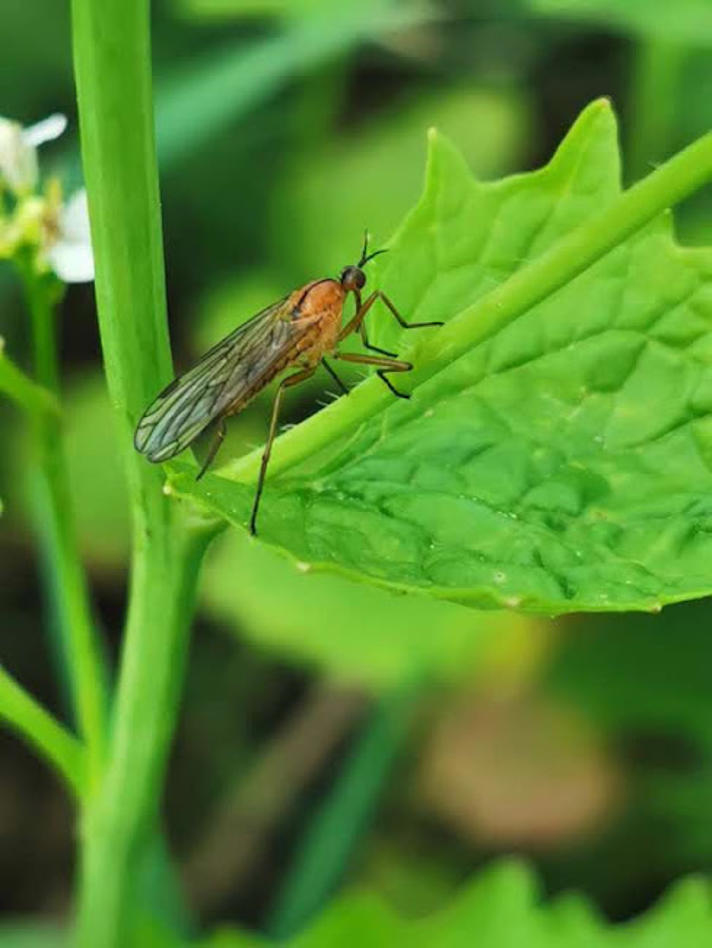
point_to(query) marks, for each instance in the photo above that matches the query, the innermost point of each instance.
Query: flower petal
(45, 131)
(18, 158)
(72, 262)
(74, 220)
(71, 257)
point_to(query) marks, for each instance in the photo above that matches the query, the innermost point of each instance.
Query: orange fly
(299, 330)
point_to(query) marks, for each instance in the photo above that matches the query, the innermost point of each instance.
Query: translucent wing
(232, 370)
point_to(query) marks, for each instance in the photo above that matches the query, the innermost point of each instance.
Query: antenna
(365, 257)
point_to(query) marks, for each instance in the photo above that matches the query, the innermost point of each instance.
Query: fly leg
(356, 321)
(334, 376)
(285, 383)
(214, 447)
(386, 365)
(368, 345)
(379, 294)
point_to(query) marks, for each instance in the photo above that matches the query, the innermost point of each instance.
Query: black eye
(352, 278)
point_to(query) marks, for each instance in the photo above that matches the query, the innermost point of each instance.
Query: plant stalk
(53, 509)
(112, 62)
(22, 390)
(119, 823)
(38, 727)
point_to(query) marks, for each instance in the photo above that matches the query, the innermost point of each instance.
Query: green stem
(119, 824)
(37, 726)
(676, 179)
(113, 73)
(69, 587)
(22, 390)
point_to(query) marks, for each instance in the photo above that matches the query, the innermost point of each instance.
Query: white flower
(70, 254)
(58, 230)
(18, 150)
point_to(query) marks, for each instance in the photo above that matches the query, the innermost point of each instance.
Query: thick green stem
(37, 726)
(677, 178)
(119, 824)
(113, 74)
(54, 510)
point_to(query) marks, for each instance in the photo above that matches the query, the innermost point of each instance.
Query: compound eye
(352, 278)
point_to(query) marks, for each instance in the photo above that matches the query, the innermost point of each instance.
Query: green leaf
(502, 908)
(555, 454)
(682, 918)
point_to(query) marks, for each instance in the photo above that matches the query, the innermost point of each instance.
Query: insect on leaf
(564, 463)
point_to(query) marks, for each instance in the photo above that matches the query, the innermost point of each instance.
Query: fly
(298, 331)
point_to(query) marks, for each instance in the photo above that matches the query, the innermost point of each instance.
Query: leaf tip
(603, 103)
(444, 161)
(597, 119)
(590, 148)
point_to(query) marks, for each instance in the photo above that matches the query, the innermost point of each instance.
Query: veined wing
(225, 374)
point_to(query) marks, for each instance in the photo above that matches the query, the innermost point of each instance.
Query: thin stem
(113, 72)
(38, 727)
(69, 587)
(670, 183)
(22, 390)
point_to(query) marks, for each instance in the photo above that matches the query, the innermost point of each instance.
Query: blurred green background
(332, 733)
